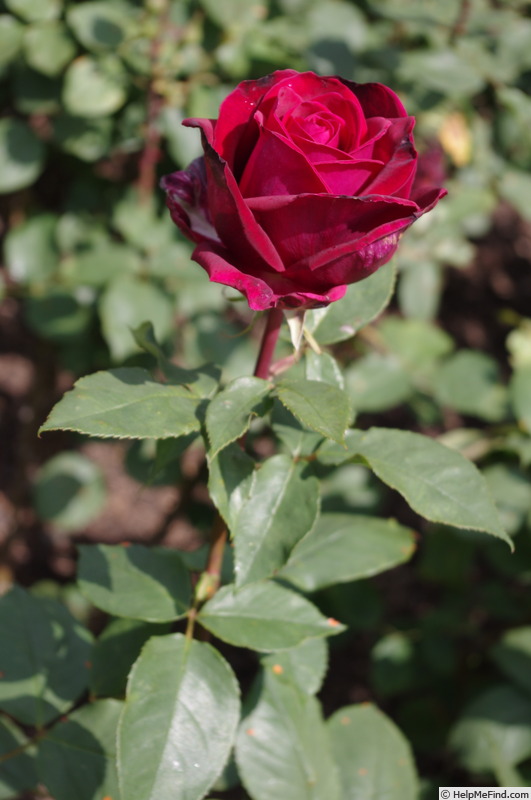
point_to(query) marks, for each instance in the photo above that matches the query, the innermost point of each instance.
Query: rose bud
(305, 186)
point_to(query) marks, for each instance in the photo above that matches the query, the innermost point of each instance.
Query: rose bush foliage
(305, 186)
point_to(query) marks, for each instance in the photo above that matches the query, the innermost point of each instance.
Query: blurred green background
(93, 94)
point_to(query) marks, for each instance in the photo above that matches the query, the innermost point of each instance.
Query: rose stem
(269, 341)
(219, 533)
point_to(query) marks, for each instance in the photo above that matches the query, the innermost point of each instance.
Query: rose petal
(236, 112)
(208, 126)
(262, 292)
(397, 151)
(347, 108)
(300, 299)
(377, 100)
(317, 126)
(220, 270)
(310, 231)
(284, 100)
(427, 199)
(235, 224)
(347, 177)
(187, 200)
(377, 127)
(350, 266)
(276, 167)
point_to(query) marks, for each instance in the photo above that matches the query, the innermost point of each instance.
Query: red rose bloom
(305, 186)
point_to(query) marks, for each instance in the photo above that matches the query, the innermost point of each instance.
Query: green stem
(219, 536)
(22, 748)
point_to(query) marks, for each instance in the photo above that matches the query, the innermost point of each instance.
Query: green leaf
(21, 155)
(182, 143)
(48, 47)
(207, 336)
(165, 465)
(512, 654)
(319, 406)
(514, 187)
(419, 289)
(511, 491)
(100, 25)
(203, 381)
(35, 9)
(347, 547)
(416, 10)
(18, 763)
(283, 750)
(11, 33)
(392, 664)
(417, 344)
(35, 93)
(446, 70)
(69, 491)
(181, 714)
(157, 462)
(229, 414)
(281, 506)
(373, 756)
(323, 367)
(264, 616)
(127, 302)
(80, 230)
(94, 87)
(231, 475)
(43, 660)
(294, 436)
(140, 225)
(30, 250)
(303, 666)
(77, 757)
(89, 140)
(125, 403)
(139, 582)
(438, 483)
(363, 302)
(469, 381)
(520, 389)
(352, 489)
(57, 315)
(104, 262)
(333, 21)
(518, 344)
(493, 731)
(378, 382)
(231, 10)
(116, 650)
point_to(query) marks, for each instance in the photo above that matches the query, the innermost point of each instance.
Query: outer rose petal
(337, 240)
(235, 224)
(265, 291)
(311, 231)
(259, 295)
(351, 266)
(187, 201)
